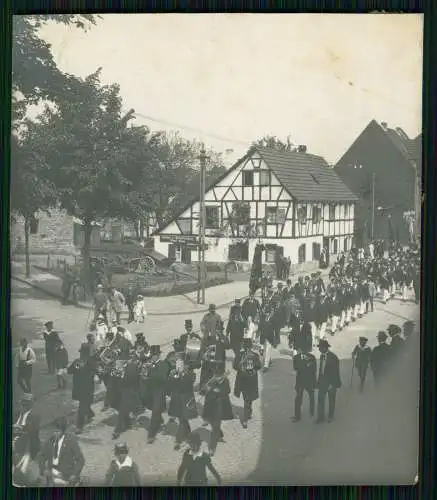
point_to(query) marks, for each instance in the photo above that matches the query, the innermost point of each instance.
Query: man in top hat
(188, 334)
(27, 425)
(235, 327)
(328, 381)
(140, 342)
(361, 359)
(51, 339)
(380, 358)
(210, 321)
(156, 390)
(61, 460)
(247, 365)
(213, 350)
(305, 365)
(397, 342)
(82, 370)
(100, 303)
(123, 471)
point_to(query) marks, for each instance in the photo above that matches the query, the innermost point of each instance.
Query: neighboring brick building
(60, 233)
(391, 156)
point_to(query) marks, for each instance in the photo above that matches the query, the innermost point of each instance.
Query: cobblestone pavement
(372, 440)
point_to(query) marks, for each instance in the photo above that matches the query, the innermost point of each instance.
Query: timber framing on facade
(282, 199)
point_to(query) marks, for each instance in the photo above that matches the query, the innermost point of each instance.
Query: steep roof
(306, 177)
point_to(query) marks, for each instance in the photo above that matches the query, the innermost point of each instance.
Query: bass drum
(193, 352)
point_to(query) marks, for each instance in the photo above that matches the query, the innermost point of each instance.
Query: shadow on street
(373, 439)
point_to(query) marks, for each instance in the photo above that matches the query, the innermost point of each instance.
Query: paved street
(372, 440)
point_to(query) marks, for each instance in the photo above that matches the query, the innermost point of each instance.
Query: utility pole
(372, 229)
(202, 220)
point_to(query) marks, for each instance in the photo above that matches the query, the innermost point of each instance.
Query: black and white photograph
(215, 249)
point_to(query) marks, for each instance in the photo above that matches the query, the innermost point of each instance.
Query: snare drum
(193, 351)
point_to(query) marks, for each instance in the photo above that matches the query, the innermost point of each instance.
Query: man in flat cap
(210, 321)
(328, 381)
(361, 359)
(380, 358)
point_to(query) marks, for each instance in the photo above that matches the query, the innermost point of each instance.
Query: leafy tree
(31, 191)
(90, 152)
(177, 174)
(272, 142)
(35, 75)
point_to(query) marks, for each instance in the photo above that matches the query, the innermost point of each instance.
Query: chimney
(384, 125)
(302, 148)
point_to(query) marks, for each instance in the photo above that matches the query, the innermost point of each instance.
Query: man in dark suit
(305, 365)
(51, 339)
(26, 427)
(328, 381)
(380, 358)
(235, 327)
(397, 342)
(83, 370)
(61, 459)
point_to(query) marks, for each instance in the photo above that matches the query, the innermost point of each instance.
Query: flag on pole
(256, 272)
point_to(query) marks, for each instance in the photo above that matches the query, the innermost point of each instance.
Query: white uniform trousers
(356, 310)
(267, 353)
(404, 292)
(322, 331)
(362, 307)
(348, 315)
(334, 323)
(385, 295)
(342, 319)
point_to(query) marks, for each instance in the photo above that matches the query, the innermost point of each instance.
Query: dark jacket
(157, 386)
(331, 373)
(51, 340)
(305, 365)
(30, 434)
(361, 357)
(61, 358)
(236, 325)
(71, 459)
(251, 308)
(396, 345)
(380, 358)
(124, 476)
(182, 401)
(247, 365)
(266, 327)
(83, 381)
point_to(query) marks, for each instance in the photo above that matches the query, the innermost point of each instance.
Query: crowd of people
(139, 378)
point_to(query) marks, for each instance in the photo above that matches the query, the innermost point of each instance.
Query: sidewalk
(220, 295)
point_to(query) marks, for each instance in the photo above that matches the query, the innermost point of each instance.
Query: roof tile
(306, 177)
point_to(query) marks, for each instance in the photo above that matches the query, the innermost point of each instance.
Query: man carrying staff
(247, 365)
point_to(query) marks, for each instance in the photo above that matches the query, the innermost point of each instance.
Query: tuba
(213, 383)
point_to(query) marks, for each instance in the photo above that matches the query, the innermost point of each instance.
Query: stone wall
(54, 233)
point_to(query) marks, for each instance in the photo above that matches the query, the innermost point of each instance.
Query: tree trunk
(87, 229)
(26, 244)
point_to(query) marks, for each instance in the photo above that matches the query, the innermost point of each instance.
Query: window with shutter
(212, 217)
(264, 178)
(247, 178)
(272, 215)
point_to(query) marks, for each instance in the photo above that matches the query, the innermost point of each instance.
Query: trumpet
(213, 383)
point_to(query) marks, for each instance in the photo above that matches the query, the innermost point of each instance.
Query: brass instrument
(17, 433)
(146, 369)
(213, 383)
(119, 370)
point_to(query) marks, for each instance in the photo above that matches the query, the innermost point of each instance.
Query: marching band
(137, 378)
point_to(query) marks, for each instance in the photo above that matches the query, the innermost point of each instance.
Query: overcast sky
(318, 78)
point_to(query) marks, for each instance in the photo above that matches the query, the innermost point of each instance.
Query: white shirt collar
(127, 462)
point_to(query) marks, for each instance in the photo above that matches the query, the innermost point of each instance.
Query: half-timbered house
(288, 200)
